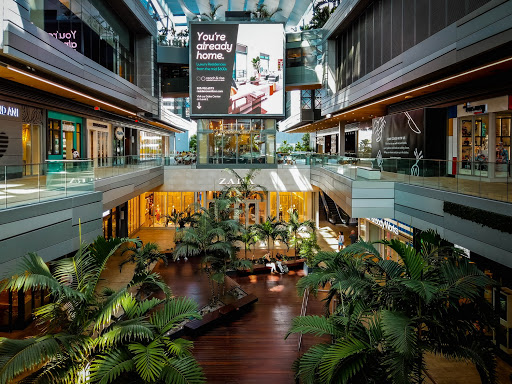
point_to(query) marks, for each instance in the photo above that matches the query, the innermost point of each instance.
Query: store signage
(98, 125)
(221, 83)
(400, 135)
(384, 224)
(68, 126)
(226, 181)
(475, 109)
(9, 111)
(68, 38)
(119, 133)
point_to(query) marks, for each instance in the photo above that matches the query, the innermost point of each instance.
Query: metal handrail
(303, 310)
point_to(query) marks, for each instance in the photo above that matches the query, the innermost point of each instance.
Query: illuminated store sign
(9, 111)
(226, 80)
(385, 224)
(226, 181)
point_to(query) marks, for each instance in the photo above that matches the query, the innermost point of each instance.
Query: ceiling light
(68, 89)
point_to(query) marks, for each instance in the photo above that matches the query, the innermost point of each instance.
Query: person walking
(353, 237)
(341, 240)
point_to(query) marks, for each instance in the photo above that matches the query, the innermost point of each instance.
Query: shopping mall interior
(300, 191)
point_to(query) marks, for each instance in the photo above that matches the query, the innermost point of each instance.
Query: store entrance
(474, 148)
(252, 212)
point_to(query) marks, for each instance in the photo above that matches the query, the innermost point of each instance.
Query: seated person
(282, 267)
(270, 263)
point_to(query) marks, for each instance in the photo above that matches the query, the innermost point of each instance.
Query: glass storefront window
(236, 141)
(474, 145)
(151, 144)
(503, 130)
(31, 147)
(91, 28)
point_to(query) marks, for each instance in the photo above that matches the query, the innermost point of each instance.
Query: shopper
(353, 237)
(341, 241)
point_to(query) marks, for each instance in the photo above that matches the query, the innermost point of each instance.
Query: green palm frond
(108, 367)
(174, 311)
(179, 347)
(109, 308)
(18, 356)
(342, 360)
(315, 325)
(399, 332)
(424, 289)
(413, 261)
(307, 366)
(184, 370)
(149, 359)
(123, 331)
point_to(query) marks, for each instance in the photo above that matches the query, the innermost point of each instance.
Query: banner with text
(399, 135)
(235, 69)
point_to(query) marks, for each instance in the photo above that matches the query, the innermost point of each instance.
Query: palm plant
(248, 237)
(431, 300)
(261, 12)
(78, 313)
(210, 16)
(137, 348)
(213, 236)
(245, 189)
(269, 230)
(144, 256)
(296, 227)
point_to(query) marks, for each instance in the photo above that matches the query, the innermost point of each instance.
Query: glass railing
(55, 179)
(476, 178)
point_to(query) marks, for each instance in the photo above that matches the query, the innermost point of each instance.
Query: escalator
(333, 213)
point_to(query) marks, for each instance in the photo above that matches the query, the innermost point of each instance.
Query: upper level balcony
(21, 185)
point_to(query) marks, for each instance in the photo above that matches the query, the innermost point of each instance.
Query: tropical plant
(256, 64)
(137, 348)
(309, 248)
(321, 13)
(144, 256)
(192, 145)
(261, 12)
(303, 145)
(248, 237)
(296, 228)
(213, 237)
(245, 188)
(79, 314)
(390, 313)
(210, 16)
(285, 147)
(271, 230)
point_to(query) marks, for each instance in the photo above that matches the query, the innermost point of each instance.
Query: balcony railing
(56, 179)
(476, 178)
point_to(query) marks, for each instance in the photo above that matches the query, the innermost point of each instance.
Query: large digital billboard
(236, 69)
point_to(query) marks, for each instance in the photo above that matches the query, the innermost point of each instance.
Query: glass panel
(503, 127)
(273, 204)
(466, 153)
(229, 149)
(481, 145)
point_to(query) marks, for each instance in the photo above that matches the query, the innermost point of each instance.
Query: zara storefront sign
(226, 181)
(384, 224)
(9, 111)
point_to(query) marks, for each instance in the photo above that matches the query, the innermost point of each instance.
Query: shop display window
(53, 142)
(474, 145)
(236, 141)
(503, 128)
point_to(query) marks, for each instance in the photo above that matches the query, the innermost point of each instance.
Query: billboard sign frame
(192, 72)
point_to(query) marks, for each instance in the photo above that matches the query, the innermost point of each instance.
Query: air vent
(4, 143)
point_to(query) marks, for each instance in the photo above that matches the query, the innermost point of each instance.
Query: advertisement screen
(236, 69)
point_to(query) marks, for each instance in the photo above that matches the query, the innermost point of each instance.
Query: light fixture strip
(69, 90)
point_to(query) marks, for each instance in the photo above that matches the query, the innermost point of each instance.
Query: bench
(368, 173)
(210, 317)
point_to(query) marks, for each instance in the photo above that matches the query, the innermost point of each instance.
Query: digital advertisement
(236, 69)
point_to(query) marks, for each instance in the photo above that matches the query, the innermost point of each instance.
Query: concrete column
(341, 138)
